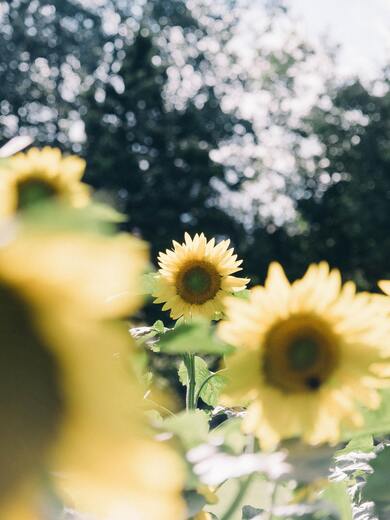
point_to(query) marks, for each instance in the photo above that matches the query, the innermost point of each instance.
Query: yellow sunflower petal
(310, 351)
(195, 277)
(74, 401)
(37, 175)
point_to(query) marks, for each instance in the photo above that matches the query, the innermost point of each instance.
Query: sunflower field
(194, 260)
(276, 404)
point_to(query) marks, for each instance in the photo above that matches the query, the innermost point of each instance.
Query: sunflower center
(303, 353)
(198, 282)
(300, 355)
(33, 191)
(30, 398)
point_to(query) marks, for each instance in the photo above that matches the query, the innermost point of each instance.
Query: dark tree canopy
(150, 150)
(157, 160)
(347, 201)
(46, 49)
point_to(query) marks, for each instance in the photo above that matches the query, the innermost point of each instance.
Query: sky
(362, 27)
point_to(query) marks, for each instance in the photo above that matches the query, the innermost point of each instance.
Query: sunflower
(102, 272)
(195, 276)
(38, 175)
(69, 404)
(306, 353)
(203, 515)
(385, 286)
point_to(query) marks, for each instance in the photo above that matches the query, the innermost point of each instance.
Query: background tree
(47, 51)
(155, 159)
(345, 203)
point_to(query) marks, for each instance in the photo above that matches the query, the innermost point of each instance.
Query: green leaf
(158, 326)
(196, 337)
(249, 512)
(243, 295)
(195, 502)
(257, 494)
(210, 389)
(106, 213)
(52, 216)
(191, 427)
(149, 282)
(231, 431)
(363, 443)
(377, 486)
(376, 422)
(336, 493)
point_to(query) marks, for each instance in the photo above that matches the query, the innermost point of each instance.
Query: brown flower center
(34, 190)
(301, 354)
(30, 398)
(198, 282)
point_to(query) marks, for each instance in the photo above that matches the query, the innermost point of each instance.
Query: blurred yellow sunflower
(38, 175)
(68, 401)
(103, 273)
(385, 286)
(203, 515)
(306, 353)
(195, 277)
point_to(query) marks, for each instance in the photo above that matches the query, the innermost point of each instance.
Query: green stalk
(273, 498)
(236, 501)
(189, 361)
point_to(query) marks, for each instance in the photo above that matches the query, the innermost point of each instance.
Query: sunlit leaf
(363, 443)
(190, 427)
(210, 383)
(336, 493)
(158, 326)
(196, 337)
(106, 213)
(376, 422)
(149, 282)
(51, 216)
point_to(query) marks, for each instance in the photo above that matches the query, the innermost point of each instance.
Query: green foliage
(231, 430)
(195, 502)
(376, 422)
(148, 283)
(363, 443)
(337, 494)
(52, 216)
(196, 336)
(377, 486)
(249, 512)
(190, 427)
(257, 494)
(158, 326)
(208, 383)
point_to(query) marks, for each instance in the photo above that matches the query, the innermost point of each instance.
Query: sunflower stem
(273, 498)
(189, 361)
(237, 499)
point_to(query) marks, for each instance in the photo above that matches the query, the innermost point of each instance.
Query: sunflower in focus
(69, 402)
(307, 352)
(38, 175)
(195, 277)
